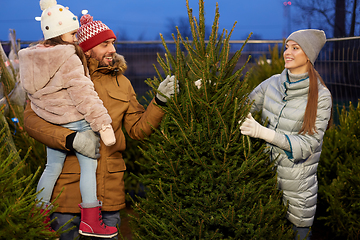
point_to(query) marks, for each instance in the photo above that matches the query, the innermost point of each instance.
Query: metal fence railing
(339, 66)
(338, 62)
(142, 56)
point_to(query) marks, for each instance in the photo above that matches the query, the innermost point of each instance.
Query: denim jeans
(110, 218)
(55, 163)
(301, 233)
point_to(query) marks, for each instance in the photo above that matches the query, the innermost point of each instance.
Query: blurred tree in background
(266, 67)
(339, 18)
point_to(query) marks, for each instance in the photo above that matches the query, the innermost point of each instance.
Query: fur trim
(120, 63)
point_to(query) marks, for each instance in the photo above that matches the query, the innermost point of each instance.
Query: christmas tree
(20, 159)
(339, 171)
(12, 104)
(205, 180)
(19, 218)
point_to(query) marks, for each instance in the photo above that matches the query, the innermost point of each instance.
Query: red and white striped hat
(92, 33)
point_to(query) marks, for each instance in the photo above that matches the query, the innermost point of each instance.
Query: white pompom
(45, 4)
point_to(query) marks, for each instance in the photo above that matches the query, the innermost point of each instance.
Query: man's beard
(101, 60)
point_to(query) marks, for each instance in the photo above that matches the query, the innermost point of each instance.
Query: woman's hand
(252, 128)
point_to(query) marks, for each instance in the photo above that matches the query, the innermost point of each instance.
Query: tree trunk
(353, 20)
(340, 15)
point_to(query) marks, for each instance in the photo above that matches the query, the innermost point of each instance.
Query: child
(55, 76)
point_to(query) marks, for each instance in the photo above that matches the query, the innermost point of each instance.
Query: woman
(298, 107)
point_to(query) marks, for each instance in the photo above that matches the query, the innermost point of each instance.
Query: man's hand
(252, 128)
(87, 143)
(198, 83)
(167, 88)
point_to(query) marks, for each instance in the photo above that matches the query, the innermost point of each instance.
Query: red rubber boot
(47, 218)
(92, 224)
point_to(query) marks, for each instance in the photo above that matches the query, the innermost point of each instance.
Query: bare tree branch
(336, 16)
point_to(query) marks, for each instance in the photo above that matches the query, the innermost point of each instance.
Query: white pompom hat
(56, 19)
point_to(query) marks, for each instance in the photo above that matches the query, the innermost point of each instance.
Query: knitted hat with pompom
(92, 33)
(56, 19)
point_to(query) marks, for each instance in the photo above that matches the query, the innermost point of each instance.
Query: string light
(287, 3)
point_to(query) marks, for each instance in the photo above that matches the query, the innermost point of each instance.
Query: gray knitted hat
(310, 40)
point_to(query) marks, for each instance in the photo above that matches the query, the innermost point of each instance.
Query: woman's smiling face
(295, 58)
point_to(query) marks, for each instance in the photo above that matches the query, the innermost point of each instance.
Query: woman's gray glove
(167, 88)
(87, 143)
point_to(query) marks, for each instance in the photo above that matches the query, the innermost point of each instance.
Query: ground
(125, 227)
(319, 232)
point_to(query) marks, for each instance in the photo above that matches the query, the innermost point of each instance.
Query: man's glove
(252, 128)
(198, 83)
(167, 88)
(87, 143)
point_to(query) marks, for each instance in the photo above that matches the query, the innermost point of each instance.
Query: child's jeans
(55, 163)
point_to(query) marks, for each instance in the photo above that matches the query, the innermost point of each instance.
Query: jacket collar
(117, 68)
(294, 89)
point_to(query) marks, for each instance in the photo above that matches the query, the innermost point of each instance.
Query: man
(115, 90)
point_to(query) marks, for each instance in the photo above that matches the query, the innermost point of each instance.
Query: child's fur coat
(58, 89)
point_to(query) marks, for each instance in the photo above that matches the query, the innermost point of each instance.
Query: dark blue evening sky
(145, 19)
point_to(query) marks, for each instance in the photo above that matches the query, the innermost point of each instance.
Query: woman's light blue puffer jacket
(283, 103)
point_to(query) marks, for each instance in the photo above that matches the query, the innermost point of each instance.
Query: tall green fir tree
(205, 180)
(20, 160)
(339, 176)
(19, 218)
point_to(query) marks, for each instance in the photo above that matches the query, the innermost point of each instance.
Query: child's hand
(107, 135)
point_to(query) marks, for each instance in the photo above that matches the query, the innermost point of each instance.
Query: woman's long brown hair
(58, 41)
(311, 107)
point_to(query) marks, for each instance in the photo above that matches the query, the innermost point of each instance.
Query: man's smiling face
(104, 52)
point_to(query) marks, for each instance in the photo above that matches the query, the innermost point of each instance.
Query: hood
(119, 65)
(38, 64)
